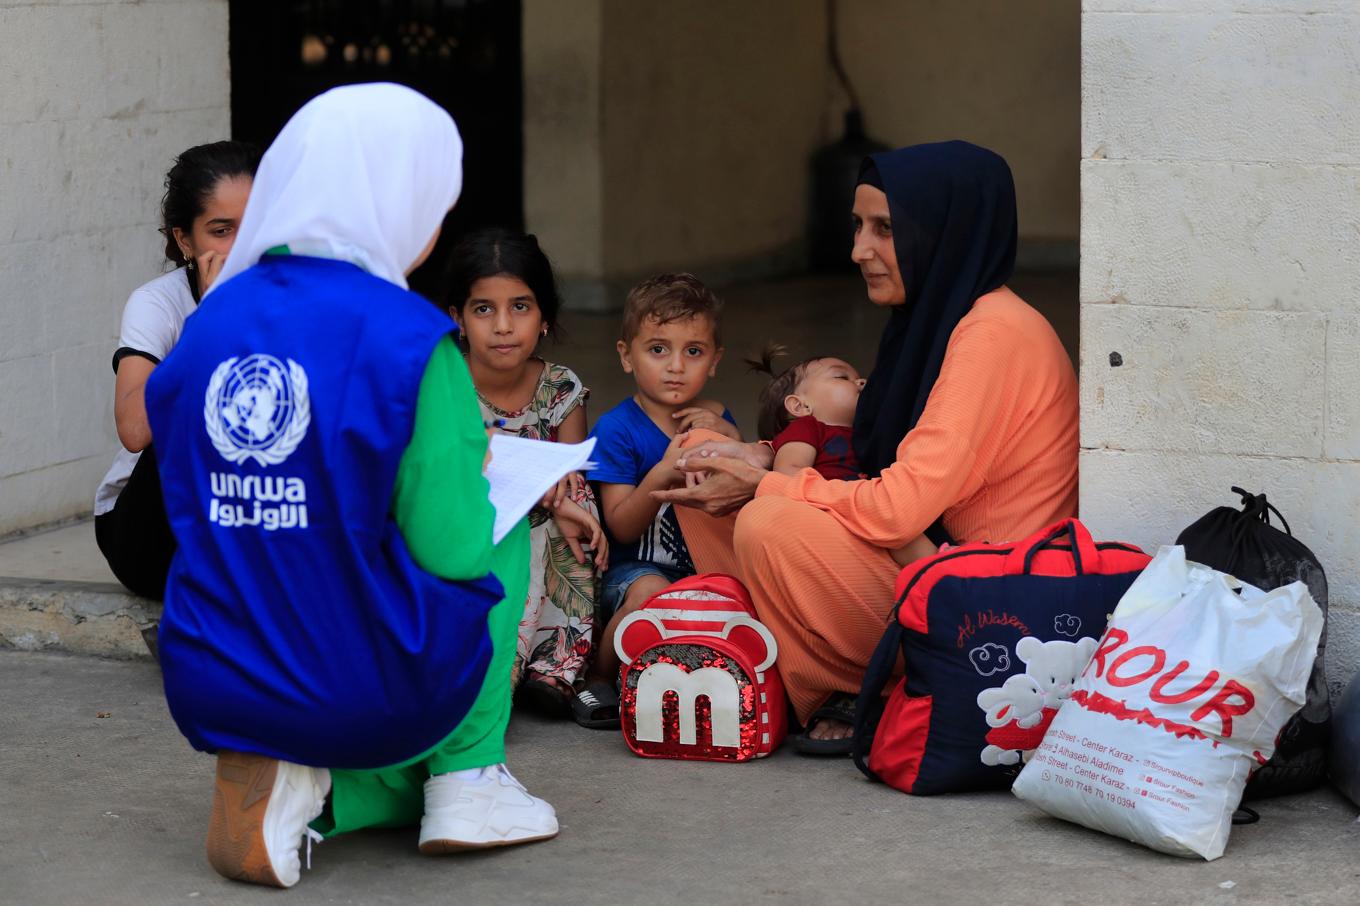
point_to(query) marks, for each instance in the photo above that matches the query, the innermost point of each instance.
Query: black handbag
(1244, 544)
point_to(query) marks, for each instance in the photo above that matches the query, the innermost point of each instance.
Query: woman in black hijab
(953, 205)
(967, 428)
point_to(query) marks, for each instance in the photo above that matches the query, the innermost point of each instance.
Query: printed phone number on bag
(1094, 792)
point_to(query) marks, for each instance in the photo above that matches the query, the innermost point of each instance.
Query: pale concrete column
(712, 111)
(663, 136)
(563, 159)
(1220, 261)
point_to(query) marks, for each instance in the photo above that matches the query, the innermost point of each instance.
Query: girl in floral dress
(505, 300)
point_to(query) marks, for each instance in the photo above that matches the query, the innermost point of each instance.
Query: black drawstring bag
(1244, 544)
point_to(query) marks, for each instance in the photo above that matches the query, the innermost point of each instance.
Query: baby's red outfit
(835, 454)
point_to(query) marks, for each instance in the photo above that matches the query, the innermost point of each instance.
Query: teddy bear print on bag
(1020, 709)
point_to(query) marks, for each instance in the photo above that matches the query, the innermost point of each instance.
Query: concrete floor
(67, 553)
(102, 801)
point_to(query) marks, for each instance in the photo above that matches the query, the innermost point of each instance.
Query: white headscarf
(363, 173)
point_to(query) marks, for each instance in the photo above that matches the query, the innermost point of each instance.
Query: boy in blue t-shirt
(671, 347)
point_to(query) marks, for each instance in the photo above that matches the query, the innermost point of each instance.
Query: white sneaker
(479, 809)
(261, 811)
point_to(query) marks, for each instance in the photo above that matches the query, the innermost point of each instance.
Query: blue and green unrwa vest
(296, 624)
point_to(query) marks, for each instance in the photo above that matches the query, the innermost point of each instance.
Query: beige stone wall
(563, 194)
(1220, 258)
(670, 135)
(97, 99)
(711, 113)
(1000, 73)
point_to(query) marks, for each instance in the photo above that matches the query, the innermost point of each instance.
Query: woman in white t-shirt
(205, 197)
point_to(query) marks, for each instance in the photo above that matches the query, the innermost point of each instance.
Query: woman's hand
(734, 470)
(580, 529)
(758, 456)
(699, 417)
(208, 265)
(755, 454)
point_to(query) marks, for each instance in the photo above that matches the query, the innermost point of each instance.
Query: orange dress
(995, 452)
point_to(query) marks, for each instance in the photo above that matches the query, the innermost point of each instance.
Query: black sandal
(839, 707)
(596, 706)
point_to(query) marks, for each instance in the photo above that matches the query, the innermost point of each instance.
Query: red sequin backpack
(698, 675)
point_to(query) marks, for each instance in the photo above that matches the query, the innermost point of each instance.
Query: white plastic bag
(1183, 697)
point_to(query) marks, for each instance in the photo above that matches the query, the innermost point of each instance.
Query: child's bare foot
(831, 729)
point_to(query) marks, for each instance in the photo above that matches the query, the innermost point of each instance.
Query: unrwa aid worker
(338, 624)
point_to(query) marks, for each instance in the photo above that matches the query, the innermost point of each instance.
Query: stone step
(92, 618)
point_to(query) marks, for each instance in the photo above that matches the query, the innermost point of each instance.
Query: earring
(544, 331)
(188, 262)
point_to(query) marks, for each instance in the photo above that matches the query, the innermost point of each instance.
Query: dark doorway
(463, 54)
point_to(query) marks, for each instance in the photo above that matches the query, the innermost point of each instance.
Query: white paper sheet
(522, 471)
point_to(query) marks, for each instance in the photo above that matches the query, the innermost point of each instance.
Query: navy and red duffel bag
(993, 638)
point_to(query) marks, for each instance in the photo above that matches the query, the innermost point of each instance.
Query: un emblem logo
(257, 408)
